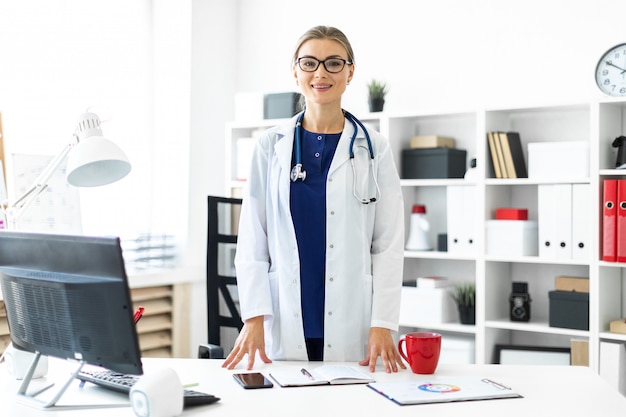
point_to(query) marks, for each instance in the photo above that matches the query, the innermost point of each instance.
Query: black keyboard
(124, 382)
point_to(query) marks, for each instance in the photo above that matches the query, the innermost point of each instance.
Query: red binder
(620, 235)
(609, 221)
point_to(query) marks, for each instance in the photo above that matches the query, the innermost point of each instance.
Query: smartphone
(253, 380)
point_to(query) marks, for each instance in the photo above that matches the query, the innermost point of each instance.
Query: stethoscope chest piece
(297, 173)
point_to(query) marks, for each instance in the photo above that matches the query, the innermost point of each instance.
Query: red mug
(422, 351)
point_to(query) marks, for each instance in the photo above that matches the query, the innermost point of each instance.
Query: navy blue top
(308, 211)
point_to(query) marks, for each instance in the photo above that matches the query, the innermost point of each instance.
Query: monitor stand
(30, 398)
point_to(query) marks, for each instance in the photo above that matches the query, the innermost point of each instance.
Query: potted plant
(464, 296)
(377, 91)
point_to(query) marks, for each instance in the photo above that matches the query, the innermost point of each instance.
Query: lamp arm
(13, 210)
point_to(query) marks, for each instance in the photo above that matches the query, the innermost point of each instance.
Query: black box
(425, 163)
(281, 105)
(569, 309)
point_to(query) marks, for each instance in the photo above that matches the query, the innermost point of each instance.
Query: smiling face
(322, 87)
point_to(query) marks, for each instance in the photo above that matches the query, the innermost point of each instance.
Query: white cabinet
(597, 124)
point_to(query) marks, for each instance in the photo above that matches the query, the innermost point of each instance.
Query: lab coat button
(331, 279)
(331, 246)
(330, 313)
(332, 212)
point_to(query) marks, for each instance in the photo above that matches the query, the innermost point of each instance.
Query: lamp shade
(95, 160)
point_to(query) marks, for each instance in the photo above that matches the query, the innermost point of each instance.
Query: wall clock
(611, 71)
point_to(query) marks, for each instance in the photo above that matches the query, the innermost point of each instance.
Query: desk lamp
(93, 160)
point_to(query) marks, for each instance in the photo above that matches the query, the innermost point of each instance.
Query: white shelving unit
(597, 123)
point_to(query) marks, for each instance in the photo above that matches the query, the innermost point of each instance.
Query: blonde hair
(324, 32)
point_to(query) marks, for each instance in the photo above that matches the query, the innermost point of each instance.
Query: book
(442, 390)
(494, 155)
(322, 375)
(498, 143)
(513, 155)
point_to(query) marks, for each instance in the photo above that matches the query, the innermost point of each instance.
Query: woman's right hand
(250, 340)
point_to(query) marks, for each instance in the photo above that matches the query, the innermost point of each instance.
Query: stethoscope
(297, 173)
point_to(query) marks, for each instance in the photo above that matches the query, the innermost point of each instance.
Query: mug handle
(402, 342)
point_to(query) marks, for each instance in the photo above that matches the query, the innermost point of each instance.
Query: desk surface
(547, 390)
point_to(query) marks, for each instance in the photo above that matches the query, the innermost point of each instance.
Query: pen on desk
(138, 314)
(307, 373)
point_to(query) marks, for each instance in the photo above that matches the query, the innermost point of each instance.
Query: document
(443, 390)
(322, 375)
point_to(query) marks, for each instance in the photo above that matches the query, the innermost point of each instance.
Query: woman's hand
(250, 340)
(380, 343)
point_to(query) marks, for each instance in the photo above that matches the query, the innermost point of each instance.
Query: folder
(555, 220)
(461, 215)
(547, 228)
(581, 221)
(620, 235)
(609, 221)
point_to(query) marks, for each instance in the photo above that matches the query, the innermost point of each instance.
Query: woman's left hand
(380, 343)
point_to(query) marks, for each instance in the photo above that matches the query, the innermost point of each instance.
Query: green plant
(377, 89)
(465, 295)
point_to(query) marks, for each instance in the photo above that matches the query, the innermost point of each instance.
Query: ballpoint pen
(307, 373)
(138, 314)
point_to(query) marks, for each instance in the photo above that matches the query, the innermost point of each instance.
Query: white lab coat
(364, 254)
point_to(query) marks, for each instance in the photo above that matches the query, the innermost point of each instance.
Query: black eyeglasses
(332, 65)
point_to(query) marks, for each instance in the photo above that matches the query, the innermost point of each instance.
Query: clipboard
(443, 390)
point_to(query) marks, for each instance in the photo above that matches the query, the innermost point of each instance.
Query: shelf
(437, 255)
(444, 327)
(535, 327)
(596, 123)
(613, 336)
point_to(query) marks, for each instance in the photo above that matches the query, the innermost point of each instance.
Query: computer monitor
(68, 297)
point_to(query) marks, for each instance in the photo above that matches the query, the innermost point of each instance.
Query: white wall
(445, 54)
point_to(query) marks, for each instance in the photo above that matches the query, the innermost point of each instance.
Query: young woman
(320, 248)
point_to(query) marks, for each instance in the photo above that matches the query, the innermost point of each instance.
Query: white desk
(547, 390)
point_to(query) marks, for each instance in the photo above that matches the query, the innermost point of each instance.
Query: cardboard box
(427, 306)
(578, 284)
(433, 163)
(618, 326)
(512, 238)
(569, 309)
(558, 160)
(432, 141)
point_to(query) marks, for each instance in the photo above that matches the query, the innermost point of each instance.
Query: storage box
(433, 163)
(432, 141)
(507, 213)
(512, 238)
(281, 105)
(558, 160)
(427, 306)
(457, 350)
(569, 309)
(578, 284)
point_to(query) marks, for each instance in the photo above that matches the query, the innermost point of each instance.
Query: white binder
(555, 220)
(581, 221)
(461, 210)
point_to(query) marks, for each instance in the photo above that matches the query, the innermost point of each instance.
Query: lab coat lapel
(342, 153)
